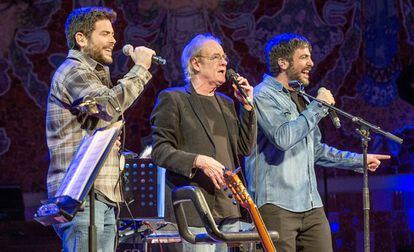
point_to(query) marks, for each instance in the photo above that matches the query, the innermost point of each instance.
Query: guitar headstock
(237, 188)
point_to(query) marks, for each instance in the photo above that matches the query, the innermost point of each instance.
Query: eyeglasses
(216, 57)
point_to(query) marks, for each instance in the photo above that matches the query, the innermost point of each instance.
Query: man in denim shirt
(280, 173)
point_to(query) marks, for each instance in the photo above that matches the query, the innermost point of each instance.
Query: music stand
(78, 181)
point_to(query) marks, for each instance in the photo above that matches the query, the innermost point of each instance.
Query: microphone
(231, 76)
(126, 50)
(332, 114)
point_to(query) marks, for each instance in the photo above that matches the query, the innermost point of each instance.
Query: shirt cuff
(140, 71)
(194, 168)
(317, 109)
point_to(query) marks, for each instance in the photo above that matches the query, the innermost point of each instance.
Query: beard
(294, 74)
(97, 53)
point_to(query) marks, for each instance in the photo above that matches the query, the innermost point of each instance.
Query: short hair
(283, 46)
(191, 50)
(83, 20)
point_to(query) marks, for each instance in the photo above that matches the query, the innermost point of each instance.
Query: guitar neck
(243, 197)
(261, 229)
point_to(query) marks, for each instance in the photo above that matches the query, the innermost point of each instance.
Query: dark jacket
(180, 131)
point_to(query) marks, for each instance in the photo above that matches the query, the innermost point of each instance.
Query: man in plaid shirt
(85, 73)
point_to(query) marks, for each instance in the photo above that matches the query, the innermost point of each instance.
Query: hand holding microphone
(326, 96)
(143, 56)
(243, 91)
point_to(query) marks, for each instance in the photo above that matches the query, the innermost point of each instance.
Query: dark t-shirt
(298, 100)
(223, 206)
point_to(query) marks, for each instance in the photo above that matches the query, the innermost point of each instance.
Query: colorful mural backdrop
(360, 49)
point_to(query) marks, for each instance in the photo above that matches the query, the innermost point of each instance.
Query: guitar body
(242, 196)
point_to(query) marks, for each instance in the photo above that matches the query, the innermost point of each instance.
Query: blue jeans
(75, 234)
(227, 225)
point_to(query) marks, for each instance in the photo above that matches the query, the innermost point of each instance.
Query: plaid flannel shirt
(77, 77)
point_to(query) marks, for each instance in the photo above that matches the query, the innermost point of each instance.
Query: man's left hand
(374, 161)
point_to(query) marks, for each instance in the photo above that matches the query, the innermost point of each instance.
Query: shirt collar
(273, 83)
(93, 64)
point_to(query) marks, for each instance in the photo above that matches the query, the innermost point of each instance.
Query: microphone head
(126, 50)
(230, 73)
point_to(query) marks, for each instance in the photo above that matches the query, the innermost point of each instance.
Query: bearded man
(281, 174)
(84, 73)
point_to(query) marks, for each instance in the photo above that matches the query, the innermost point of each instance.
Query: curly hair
(83, 20)
(283, 46)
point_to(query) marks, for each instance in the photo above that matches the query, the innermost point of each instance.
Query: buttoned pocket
(290, 116)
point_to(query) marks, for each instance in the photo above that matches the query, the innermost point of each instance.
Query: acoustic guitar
(242, 196)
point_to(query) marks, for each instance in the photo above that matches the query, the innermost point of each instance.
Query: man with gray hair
(196, 134)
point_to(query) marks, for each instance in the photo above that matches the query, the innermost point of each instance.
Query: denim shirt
(281, 169)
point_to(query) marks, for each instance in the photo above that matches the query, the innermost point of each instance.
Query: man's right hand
(143, 56)
(326, 96)
(212, 168)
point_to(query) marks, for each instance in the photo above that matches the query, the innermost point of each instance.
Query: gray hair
(191, 50)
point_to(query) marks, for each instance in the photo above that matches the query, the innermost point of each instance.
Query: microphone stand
(92, 106)
(364, 131)
(92, 228)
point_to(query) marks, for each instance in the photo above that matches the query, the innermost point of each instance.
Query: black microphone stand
(364, 132)
(92, 228)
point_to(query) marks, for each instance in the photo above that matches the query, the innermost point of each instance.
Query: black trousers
(305, 231)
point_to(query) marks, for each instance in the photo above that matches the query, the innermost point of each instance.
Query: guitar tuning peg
(225, 188)
(230, 195)
(234, 202)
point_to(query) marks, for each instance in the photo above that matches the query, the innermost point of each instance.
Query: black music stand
(78, 181)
